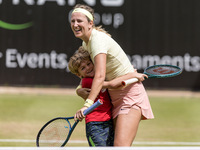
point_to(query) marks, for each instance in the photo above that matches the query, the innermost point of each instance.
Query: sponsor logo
(1, 55)
(53, 60)
(186, 62)
(10, 26)
(107, 18)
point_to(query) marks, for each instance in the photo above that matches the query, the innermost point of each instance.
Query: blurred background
(36, 40)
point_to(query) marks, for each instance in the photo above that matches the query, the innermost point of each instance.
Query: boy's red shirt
(103, 112)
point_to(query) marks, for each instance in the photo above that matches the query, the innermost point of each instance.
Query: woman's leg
(126, 126)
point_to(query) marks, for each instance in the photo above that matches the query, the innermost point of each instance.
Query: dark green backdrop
(36, 40)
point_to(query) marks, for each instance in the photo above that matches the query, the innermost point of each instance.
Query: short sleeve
(99, 44)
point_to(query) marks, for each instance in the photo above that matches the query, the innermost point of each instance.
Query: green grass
(21, 117)
(176, 119)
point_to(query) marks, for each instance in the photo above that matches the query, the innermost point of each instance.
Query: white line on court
(134, 143)
(100, 148)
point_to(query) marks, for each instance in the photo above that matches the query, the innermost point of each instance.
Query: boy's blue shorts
(100, 133)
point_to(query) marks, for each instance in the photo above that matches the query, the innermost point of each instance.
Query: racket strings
(54, 134)
(162, 70)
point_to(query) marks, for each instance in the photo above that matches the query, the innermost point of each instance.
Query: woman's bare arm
(116, 83)
(113, 84)
(100, 72)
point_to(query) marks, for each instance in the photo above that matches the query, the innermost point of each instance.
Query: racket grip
(129, 81)
(91, 108)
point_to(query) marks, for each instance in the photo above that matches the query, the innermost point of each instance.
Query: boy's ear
(79, 75)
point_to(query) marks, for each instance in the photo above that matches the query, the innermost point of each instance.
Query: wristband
(88, 103)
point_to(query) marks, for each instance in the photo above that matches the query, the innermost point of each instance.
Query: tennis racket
(157, 71)
(56, 132)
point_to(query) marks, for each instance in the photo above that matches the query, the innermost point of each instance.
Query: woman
(131, 103)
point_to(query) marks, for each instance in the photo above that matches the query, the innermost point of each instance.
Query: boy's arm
(83, 92)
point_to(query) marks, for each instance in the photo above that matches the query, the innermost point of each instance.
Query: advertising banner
(36, 40)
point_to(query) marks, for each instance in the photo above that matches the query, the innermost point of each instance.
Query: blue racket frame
(87, 111)
(71, 128)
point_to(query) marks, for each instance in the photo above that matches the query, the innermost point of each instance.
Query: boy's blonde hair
(75, 60)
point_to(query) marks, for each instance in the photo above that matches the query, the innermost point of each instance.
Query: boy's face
(86, 69)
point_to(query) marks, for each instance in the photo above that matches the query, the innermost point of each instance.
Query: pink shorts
(132, 96)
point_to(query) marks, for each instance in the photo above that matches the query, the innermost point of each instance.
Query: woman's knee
(126, 128)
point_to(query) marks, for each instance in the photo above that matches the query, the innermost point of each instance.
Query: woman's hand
(141, 77)
(79, 114)
(83, 92)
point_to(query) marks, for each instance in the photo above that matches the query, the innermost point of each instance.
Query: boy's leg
(110, 133)
(100, 133)
(126, 126)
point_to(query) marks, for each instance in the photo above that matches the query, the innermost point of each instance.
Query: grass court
(22, 115)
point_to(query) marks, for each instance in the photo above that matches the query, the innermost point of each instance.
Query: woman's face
(86, 69)
(80, 26)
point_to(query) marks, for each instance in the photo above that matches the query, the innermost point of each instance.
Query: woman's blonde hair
(88, 8)
(75, 60)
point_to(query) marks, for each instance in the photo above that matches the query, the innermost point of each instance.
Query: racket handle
(129, 81)
(91, 108)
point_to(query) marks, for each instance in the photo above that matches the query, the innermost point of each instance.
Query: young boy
(99, 124)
